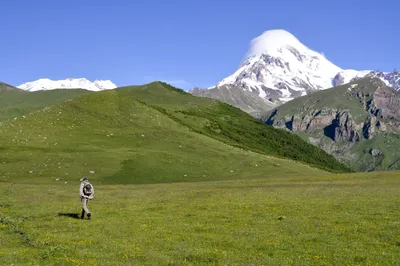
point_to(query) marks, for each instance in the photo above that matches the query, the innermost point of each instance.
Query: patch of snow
(352, 87)
(79, 83)
(286, 99)
(346, 76)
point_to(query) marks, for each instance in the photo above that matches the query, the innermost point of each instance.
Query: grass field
(179, 180)
(350, 219)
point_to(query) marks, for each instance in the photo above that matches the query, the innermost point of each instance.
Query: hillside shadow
(71, 215)
(329, 131)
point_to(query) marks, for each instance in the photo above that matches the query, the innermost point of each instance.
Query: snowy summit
(81, 83)
(279, 65)
(278, 68)
(273, 41)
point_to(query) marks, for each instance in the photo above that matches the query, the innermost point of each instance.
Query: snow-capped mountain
(278, 64)
(279, 68)
(81, 83)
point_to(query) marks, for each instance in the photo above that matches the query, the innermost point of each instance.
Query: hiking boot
(89, 215)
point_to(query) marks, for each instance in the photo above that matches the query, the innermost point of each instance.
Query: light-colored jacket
(83, 194)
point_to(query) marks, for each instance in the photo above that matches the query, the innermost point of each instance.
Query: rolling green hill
(122, 141)
(148, 134)
(15, 102)
(229, 124)
(358, 123)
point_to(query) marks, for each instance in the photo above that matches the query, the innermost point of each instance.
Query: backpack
(87, 189)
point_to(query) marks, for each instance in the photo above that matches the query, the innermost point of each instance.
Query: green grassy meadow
(179, 180)
(347, 219)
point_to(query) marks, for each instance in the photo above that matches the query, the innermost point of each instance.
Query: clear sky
(184, 42)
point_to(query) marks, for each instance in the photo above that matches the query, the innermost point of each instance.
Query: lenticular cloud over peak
(272, 41)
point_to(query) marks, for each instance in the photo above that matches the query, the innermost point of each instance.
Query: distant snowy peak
(346, 76)
(391, 79)
(81, 83)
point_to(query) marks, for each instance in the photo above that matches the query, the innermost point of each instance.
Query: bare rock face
(345, 128)
(339, 126)
(375, 152)
(387, 102)
(320, 122)
(369, 128)
(381, 126)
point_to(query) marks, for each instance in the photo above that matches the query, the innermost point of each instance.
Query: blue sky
(184, 42)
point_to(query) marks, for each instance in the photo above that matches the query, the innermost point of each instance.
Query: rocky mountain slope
(81, 83)
(5, 87)
(357, 122)
(246, 100)
(279, 68)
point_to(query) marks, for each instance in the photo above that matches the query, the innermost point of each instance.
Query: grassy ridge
(15, 102)
(145, 134)
(325, 220)
(230, 125)
(123, 141)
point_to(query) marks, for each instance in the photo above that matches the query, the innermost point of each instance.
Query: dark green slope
(15, 102)
(229, 124)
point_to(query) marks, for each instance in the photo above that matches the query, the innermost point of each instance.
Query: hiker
(86, 192)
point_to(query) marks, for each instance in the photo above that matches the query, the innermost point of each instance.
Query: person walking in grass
(86, 192)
